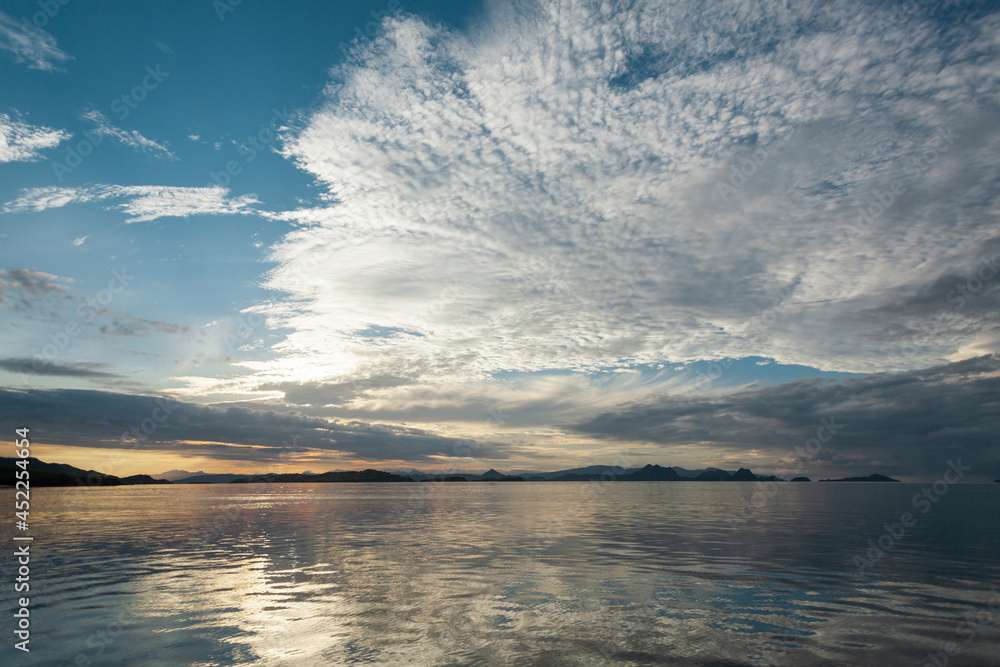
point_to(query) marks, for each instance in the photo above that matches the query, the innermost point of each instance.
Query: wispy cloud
(21, 142)
(106, 128)
(30, 45)
(141, 203)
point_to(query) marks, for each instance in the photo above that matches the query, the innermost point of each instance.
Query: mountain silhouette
(652, 473)
(870, 478)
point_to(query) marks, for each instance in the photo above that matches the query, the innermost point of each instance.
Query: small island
(870, 478)
(143, 479)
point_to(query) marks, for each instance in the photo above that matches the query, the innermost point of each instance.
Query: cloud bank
(120, 421)
(906, 423)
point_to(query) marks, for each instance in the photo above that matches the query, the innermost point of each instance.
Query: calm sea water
(510, 573)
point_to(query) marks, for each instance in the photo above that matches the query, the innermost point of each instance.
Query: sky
(241, 237)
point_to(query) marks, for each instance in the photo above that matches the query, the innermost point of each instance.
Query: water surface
(508, 573)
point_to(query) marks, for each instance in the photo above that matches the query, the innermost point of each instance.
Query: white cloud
(194, 137)
(544, 192)
(128, 137)
(151, 202)
(141, 203)
(80, 241)
(41, 199)
(29, 44)
(21, 142)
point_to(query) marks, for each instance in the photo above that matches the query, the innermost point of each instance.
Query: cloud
(37, 367)
(31, 280)
(80, 241)
(544, 191)
(101, 419)
(41, 298)
(21, 142)
(29, 44)
(120, 324)
(23, 289)
(905, 423)
(128, 137)
(142, 203)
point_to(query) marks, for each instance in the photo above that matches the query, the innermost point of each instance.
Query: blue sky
(504, 224)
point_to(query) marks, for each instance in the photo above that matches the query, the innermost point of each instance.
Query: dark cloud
(140, 327)
(42, 367)
(966, 300)
(50, 297)
(906, 423)
(24, 289)
(31, 280)
(102, 419)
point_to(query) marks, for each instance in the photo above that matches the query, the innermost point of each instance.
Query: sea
(509, 573)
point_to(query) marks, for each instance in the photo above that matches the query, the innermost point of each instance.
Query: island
(870, 478)
(60, 474)
(143, 479)
(42, 474)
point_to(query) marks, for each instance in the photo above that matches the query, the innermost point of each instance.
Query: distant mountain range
(649, 473)
(368, 475)
(584, 474)
(60, 474)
